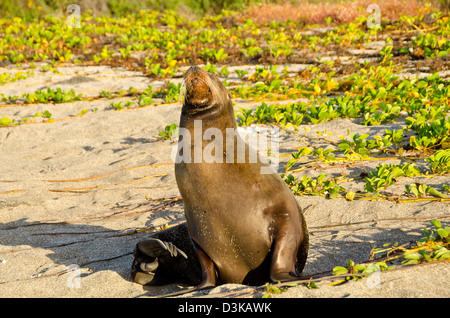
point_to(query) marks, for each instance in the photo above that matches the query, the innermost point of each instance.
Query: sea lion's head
(204, 92)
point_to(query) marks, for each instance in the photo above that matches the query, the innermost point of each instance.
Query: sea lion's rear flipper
(167, 256)
(151, 258)
(156, 248)
(143, 268)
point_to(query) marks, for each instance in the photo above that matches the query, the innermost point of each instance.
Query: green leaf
(359, 268)
(5, 121)
(436, 223)
(312, 285)
(410, 262)
(442, 232)
(412, 256)
(435, 193)
(339, 270)
(374, 267)
(422, 241)
(442, 254)
(341, 281)
(47, 114)
(333, 194)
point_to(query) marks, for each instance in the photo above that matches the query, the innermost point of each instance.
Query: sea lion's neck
(202, 130)
(217, 117)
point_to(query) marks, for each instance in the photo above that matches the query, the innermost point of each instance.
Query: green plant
(313, 186)
(430, 135)
(354, 269)
(420, 190)
(213, 54)
(224, 71)
(433, 247)
(171, 92)
(52, 95)
(385, 175)
(211, 68)
(46, 114)
(244, 117)
(9, 99)
(106, 94)
(251, 51)
(287, 115)
(120, 105)
(439, 161)
(220, 55)
(386, 53)
(155, 69)
(5, 121)
(321, 113)
(325, 154)
(355, 147)
(346, 106)
(303, 151)
(431, 46)
(241, 73)
(7, 77)
(270, 289)
(394, 136)
(117, 105)
(169, 132)
(146, 98)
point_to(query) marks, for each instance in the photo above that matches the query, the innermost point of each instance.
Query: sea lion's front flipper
(209, 274)
(287, 247)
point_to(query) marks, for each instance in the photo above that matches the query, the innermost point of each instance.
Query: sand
(75, 193)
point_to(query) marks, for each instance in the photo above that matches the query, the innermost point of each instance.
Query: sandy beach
(78, 193)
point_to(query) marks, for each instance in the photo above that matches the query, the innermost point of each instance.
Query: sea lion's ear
(229, 95)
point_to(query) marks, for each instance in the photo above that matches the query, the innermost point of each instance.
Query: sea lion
(244, 226)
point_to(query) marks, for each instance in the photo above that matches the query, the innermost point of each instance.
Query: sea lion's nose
(194, 70)
(195, 84)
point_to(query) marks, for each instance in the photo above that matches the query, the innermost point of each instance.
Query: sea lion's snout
(198, 92)
(197, 86)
